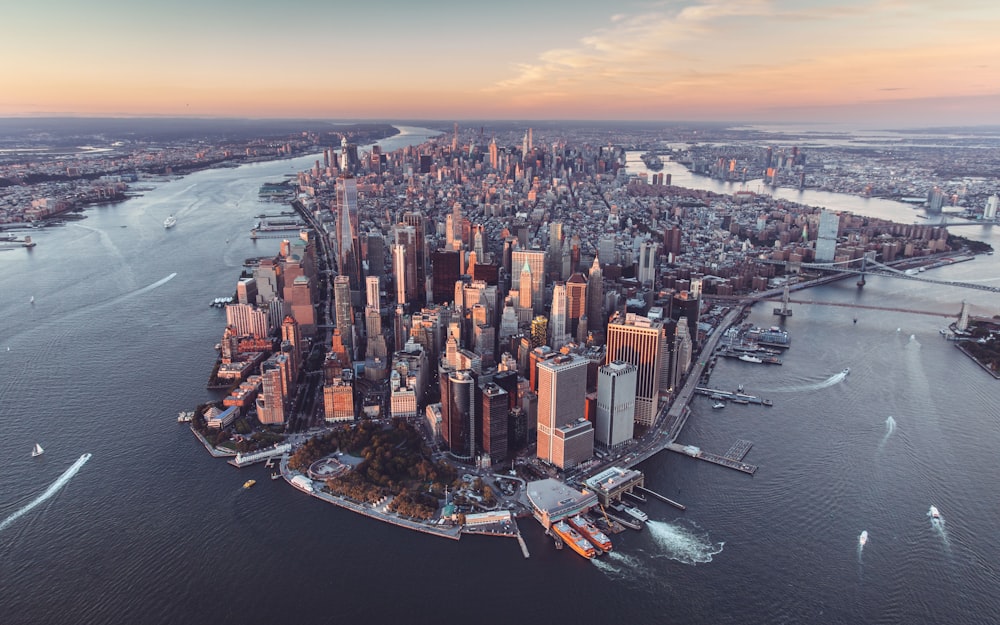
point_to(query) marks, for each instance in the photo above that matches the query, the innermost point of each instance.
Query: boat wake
(830, 381)
(155, 285)
(890, 427)
(687, 545)
(49, 492)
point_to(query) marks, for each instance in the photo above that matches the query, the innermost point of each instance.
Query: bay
(153, 530)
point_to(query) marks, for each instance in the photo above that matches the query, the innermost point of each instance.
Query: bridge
(881, 269)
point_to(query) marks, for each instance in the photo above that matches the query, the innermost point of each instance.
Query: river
(152, 530)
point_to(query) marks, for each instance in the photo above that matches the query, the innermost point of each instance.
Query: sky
(870, 62)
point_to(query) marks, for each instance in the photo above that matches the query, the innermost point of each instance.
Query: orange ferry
(590, 531)
(572, 538)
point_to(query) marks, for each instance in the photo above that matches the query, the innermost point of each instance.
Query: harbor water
(150, 529)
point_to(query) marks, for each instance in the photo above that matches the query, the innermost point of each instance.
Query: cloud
(755, 53)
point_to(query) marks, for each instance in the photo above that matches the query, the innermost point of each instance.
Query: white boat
(32, 300)
(863, 538)
(170, 222)
(37, 451)
(934, 513)
(719, 404)
(749, 358)
(635, 513)
(846, 370)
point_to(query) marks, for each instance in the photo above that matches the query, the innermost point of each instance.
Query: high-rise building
(458, 412)
(616, 384)
(562, 386)
(535, 260)
(344, 311)
(990, 212)
(248, 320)
(826, 241)
(576, 302)
(595, 301)
(348, 244)
(558, 317)
(646, 268)
(683, 349)
(642, 342)
(495, 409)
(271, 400)
(416, 221)
(372, 292)
(338, 400)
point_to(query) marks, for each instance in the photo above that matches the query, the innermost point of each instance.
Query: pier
(722, 461)
(735, 397)
(673, 503)
(739, 450)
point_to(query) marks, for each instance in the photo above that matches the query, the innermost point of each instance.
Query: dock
(520, 541)
(739, 450)
(673, 503)
(723, 461)
(733, 396)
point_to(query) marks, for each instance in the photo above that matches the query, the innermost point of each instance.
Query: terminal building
(552, 501)
(609, 485)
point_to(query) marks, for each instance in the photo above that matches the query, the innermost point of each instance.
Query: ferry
(749, 358)
(572, 538)
(934, 513)
(863, 538)
(170, 222)
(249, 483)
(594, 535)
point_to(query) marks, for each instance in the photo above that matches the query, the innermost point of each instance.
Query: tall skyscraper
(344, 311)
(558, 318)
(616, 384)
(348, 245)
(535, 260)
(495, 409)
(562, 387)
(416, 220)
(641, 342)
(646, 269)
(576, 302)
(595, 301)
(458, 413)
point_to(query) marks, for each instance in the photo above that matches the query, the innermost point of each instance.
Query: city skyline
(913, 63)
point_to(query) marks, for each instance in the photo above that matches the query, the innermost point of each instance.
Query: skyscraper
(557, 317)
(348, 245)
(562, 386)
(495, 409)
(344, 311)
(616, 383)
(595, 301)
(458, 413)
(638, 340)
(535, 260)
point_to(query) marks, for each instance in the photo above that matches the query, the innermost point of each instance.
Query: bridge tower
(784, 311)
(963, 318)
(864, 266)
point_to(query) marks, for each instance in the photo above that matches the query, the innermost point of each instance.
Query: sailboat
(37, 451)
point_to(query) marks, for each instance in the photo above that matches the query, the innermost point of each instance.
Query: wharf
(739, 450)
(673, 503)
(732, 396)
(723, 461)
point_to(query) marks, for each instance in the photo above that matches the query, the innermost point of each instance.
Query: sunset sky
(901, 61)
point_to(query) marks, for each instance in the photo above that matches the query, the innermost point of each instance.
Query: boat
(249, 483)
(749, 358)
(719, 404)
(572, 538)
(934, 513)
(591, 533)
(37, 451)
(275, 476)
(846, 370)
(170, 222)
(635, 513)
(652, 161)
(863, 538)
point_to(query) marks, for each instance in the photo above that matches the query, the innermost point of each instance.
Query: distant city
(503, 321)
